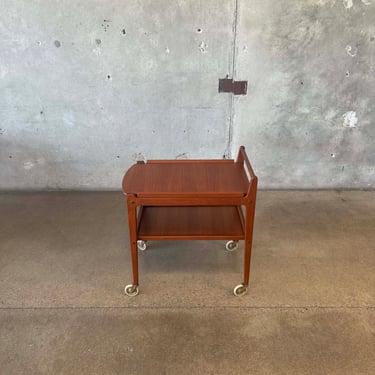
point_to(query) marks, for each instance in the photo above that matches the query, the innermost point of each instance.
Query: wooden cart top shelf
(189, 178)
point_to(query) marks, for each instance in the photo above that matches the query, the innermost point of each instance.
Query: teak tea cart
(191, 200)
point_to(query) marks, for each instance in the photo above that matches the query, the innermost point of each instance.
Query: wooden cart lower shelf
(191, 200)
(191, 223)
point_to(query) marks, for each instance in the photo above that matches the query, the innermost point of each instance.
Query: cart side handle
(242, 158)
(253, 181)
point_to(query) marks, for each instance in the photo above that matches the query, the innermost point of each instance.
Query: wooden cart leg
(132, 289)
(241, 289)
(250, 215)
(247, 261)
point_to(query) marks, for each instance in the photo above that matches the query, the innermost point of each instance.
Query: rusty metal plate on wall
(235, 87)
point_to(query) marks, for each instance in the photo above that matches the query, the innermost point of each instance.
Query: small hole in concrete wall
(372, 38)
(153, 132)
(347, 74)
(203, 47)
(109, 76)
(98, 41)
(41, 112)
(123, 32)
(332, 155)
(118, 156)
(10, 156)
(301, 82)
(199, 30)
(105, 25)
(57, 44)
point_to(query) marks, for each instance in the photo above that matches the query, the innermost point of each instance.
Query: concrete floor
(64, 259)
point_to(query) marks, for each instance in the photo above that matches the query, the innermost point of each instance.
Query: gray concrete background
(87, 88)
(309, 116)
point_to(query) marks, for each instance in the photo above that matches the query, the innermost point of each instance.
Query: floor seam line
(184, 307)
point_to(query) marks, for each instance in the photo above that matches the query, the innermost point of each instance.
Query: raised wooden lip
(242, 160)
(171, 161)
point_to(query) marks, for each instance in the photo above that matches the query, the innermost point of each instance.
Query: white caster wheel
(231, 245)
(142, 245)
(131, 290)
(240, 290)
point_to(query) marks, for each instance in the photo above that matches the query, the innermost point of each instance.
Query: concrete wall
(309, 117)
(88, 87)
